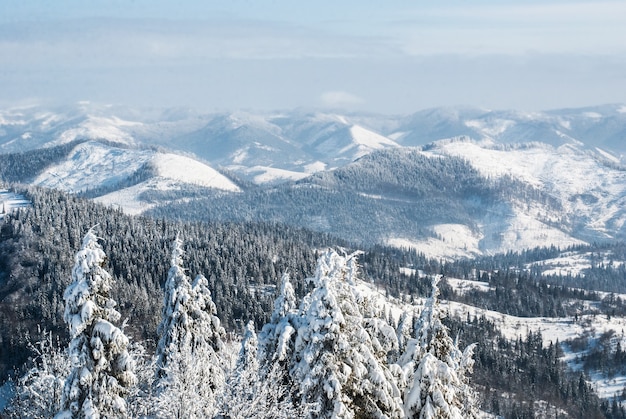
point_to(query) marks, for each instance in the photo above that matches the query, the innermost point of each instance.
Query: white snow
(461, 286)
(316, 166)
(432, 247)
(456, 241)
(91, 165)
(574, 263)
(515, 229)
(99, 128)
(370, 139)
(622, 109)
(608, 155)
(498, 233)
(492, 127)
(128, 200)
(264, 174)
(187, 170)
(10, 201)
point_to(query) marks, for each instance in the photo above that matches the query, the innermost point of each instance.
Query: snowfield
(187, 170)
(91, 165)
(10, 201)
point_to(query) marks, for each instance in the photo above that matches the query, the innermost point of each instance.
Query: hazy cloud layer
(357, 55)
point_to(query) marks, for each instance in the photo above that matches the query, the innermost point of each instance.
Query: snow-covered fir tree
(435, 369)
(334, 360)
(102, 370)
(190, 370)
(277, 337)
(403, 331)
(241, 398)
(174, 319)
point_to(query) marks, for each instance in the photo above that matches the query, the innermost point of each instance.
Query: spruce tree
(334, 359)
(276, 337)
(102, 370)
(437, 369)
(190, 370)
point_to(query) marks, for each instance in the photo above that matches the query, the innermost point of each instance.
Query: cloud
(514, 29)
(339, 98)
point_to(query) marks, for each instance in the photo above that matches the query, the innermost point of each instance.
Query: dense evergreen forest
(398, 188)
(243, 263)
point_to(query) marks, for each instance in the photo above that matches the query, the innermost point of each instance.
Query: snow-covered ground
(572, 263)
(188, 170)
(553, 330)
(268, 175)
(9, 201)
(91, 165)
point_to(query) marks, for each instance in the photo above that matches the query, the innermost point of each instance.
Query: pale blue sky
(391, 57)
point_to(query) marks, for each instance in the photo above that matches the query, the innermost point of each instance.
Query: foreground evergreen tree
(102, 370)
(436, 370)
(190, 371)
(334, 360)
(276, 339)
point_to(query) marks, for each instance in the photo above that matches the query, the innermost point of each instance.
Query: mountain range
(450, 182)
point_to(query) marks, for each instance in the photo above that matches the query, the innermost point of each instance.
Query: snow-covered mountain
(601, 126)
(539, 178)
(584, 195)
(129, 177)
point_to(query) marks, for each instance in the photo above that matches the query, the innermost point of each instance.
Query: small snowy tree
(276, 337)
(244, 385)
(102, 370)
(436, 369)
(38, 392)
(190, 371)
(174, 313)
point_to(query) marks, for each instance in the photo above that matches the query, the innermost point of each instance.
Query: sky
(387, 57)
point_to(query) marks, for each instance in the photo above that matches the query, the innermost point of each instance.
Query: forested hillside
(243, 264)
(396, 192)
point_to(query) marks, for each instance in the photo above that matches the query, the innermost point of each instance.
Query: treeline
(242, 264)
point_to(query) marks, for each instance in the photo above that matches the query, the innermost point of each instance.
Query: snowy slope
(91, 165)
(187, 170)
(173, 173)
(10, 201)
(589, 190)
